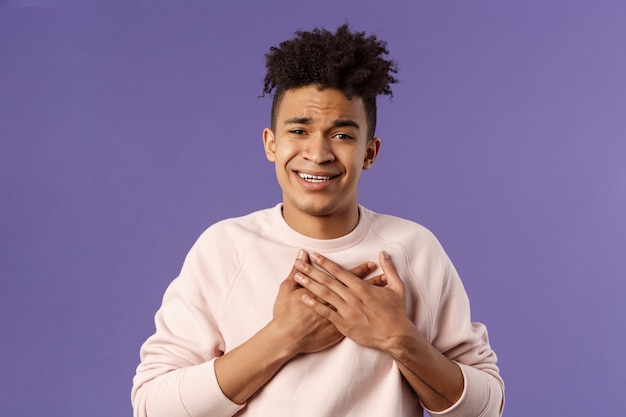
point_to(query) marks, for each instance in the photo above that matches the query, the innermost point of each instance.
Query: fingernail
(385, 255)
(315, 256)
(308, 300)
(299, 278)
(371, 265)
(300, 254)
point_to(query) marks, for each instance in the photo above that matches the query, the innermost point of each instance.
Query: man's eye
(343, 136)
(297, 131)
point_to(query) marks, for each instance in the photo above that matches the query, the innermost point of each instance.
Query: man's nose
(318, 149)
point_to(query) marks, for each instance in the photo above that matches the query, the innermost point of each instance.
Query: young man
(370, 319)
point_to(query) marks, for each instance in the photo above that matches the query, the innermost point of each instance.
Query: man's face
(319, 148)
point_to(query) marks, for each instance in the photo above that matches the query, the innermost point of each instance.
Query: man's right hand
(306, 331)
(294, 329)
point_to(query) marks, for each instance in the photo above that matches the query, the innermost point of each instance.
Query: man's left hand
(370, 315)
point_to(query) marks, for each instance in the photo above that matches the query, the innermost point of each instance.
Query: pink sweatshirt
(225, 294)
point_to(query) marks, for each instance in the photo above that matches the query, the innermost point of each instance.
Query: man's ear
(269, 143)
(373, 147)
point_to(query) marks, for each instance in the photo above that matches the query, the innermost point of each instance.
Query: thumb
(390, 273)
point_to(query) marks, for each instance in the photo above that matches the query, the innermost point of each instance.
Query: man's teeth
(313, 178)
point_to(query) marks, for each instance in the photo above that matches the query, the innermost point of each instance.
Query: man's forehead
(309, 103)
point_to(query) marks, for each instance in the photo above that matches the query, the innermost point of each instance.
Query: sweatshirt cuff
(201, 394)
(477, 398)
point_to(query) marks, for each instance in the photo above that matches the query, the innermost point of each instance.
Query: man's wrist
(283, 341)
(406, 339)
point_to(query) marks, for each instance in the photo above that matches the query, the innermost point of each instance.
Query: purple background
(125, 130)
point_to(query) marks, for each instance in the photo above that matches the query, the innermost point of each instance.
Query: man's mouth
(315, 178)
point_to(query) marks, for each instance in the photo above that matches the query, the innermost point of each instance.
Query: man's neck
(323, 227)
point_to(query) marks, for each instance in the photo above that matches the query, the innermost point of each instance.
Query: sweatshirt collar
(325, 245)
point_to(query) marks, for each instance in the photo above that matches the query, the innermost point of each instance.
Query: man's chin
(313, 208)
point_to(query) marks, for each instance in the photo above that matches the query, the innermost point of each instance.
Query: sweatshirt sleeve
(463, 341)
(176, 375)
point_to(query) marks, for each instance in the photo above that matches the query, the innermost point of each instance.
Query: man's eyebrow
(346, 123)
(298, 121)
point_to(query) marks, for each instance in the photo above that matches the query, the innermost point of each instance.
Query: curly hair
(346, 61)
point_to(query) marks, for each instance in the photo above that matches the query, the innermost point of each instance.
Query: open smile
(315, 178)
